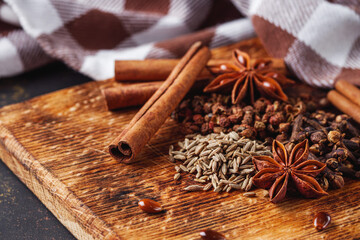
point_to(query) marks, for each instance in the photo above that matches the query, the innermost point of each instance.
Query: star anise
(246, 80)
(278, 172)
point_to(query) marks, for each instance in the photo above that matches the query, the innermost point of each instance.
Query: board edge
(74, 214)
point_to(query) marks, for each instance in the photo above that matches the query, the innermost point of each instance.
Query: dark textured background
(22, 215)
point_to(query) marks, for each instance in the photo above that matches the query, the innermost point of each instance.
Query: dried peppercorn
(150, 206)
(321, 221)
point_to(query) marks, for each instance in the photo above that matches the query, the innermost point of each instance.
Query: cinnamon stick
(136, 94)
(348, 90)
(155, 111)
(159, 69)
(148, 70)
(344, 104)
(129, 95)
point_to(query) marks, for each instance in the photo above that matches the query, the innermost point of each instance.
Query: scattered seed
(177, 176)
(192, 144)
(235, 166)
(186, 143)
(179, 157)
(213, 182)
(192, 188)
(244, 183)
(249, 185)
(205, 153)
(222, 157)
(217, 189)
(178, 153)
(199, 180)
(249, 194)
(247, 146)
(199, 148)
(193, 169)
(214, 166)
(216, 158)
(246, 171)
(221, 175)
(184, 168)
(207, 187)
(247, 166)
(204, 177)
(246, 160)
(234, 135)
(216, 178)
(231, 147)
(198, 169)
(253, 148)
(238, 178)
(217, 150)
(224, 168)
(171, 149)
(235, 186)
(225, 142)
(192, 161)
(229, 154)
(212, 145)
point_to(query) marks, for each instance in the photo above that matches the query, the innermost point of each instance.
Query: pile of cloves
(264, 120)
(333, 139)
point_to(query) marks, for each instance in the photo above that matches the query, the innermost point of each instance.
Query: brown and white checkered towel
(320, 40)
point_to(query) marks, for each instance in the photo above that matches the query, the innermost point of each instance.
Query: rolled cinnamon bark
(129, 95)
(148, 70)
(137, 94)
(155, 111)
(344, 104)
(159, 69)
(348, 90)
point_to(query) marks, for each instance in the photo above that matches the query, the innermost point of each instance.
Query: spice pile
(333, 139)
(223, 161)
(261, 120)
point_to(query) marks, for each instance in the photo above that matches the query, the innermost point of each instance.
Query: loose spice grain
(220, 160)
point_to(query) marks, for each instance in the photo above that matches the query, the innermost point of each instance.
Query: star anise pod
(246, 80)
(278, 172)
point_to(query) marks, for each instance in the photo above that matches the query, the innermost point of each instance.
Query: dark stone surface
(22, 215)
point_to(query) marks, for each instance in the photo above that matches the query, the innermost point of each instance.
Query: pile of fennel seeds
(218, 161)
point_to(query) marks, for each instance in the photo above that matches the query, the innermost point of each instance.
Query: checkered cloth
(319, 40)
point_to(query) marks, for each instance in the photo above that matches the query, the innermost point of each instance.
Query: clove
(348, 172)
(352, 129)
(318, 136)
(332, 163)
(336, 181)
(351, 156)
(351, 145)
(296, 128)
(341, 154)
(316, 125)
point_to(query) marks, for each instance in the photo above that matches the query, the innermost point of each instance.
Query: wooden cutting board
(57, 145)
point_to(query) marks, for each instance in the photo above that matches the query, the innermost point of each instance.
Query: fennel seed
(220, 161)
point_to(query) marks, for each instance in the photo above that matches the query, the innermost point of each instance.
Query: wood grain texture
(57, 145)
